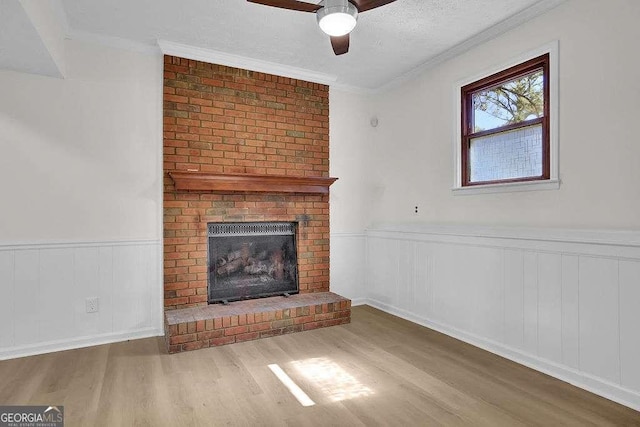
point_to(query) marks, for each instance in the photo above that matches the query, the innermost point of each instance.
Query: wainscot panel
(347, 265)
(45, 286)
(564, 302)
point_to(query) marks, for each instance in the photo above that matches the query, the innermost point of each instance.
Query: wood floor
(379, 370)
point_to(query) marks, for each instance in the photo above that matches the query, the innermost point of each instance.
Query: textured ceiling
(387, 42)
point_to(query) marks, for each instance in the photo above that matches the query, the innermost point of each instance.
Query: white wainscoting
(566, 303)
(348, 265)
(43, 288)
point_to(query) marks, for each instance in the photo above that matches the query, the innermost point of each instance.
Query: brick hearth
(214, 325)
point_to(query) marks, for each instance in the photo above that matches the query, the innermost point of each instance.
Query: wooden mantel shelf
(245, 183)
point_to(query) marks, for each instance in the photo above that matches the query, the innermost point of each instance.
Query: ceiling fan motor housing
(337, 17)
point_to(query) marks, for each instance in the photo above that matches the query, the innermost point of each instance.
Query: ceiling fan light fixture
(337, 17)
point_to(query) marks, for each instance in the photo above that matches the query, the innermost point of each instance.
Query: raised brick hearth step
(216, 324)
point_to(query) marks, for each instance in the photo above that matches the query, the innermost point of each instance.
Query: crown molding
(490, 33)
(223, 58)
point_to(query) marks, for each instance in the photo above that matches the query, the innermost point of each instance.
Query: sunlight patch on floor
(336, 383)
(291, 385)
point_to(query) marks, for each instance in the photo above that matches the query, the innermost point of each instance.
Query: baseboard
(579, 379)
(358, 301)
(62, 345)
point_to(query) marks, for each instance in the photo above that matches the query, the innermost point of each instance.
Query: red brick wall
(226, 120)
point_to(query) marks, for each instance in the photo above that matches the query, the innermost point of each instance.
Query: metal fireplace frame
(245, 229)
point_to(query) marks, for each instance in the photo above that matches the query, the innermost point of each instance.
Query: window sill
(508, 187)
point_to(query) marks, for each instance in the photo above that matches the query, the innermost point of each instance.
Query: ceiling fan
(337, 18)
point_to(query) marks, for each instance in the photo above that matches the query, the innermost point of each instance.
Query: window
(505, 131)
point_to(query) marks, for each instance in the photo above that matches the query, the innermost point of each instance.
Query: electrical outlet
(92, 304)
(415, 211)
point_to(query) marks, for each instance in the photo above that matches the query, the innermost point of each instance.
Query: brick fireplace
(242, 146)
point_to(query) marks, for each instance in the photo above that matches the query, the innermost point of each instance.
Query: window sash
(500, 83)
(507, 128)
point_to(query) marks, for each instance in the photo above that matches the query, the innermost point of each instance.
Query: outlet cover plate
(92, 304)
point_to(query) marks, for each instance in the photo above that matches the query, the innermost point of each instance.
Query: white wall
(81, 201)
(81, 155)
(352, 194)
(599, 166)
(351, 136)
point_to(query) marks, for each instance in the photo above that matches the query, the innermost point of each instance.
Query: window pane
(506, 155)
(512, 102)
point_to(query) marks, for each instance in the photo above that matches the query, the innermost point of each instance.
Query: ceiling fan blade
(364, 5)
(289, 4)
(340, 44)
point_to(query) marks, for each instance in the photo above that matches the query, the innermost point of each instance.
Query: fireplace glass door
(251, 260)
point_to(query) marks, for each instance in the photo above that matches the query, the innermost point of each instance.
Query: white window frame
(553, 183)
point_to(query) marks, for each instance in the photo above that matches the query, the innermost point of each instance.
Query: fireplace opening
(251, 260)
